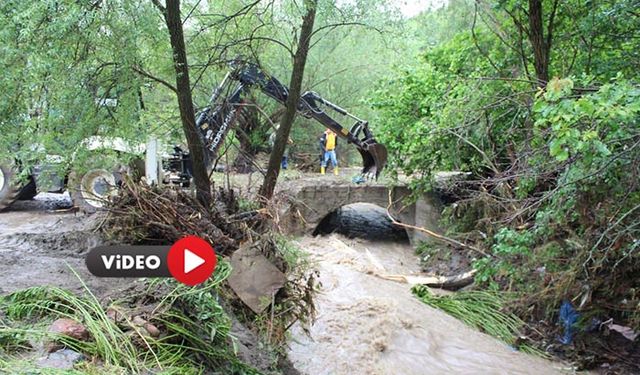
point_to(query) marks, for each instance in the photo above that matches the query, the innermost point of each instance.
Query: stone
(69, 327)
(138, 320)
(114, 315)
(152, 329)
(63, 359)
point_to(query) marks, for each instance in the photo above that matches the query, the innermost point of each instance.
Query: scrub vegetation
(540, 102)
(195, 329)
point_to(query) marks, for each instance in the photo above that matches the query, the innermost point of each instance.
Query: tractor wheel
(9, 191)
(92, 190)
(28, 191)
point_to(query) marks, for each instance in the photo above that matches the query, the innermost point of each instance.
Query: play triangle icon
(191, 261)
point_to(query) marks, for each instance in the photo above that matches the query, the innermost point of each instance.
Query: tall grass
(483, 310)
(195, 329)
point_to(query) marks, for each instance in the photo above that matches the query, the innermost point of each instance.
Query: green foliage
(554, 196)
(293, 256)
(433, 116)
(588, 126)
(511, 248)
(63, 60)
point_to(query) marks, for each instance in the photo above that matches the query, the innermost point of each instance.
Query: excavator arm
(216, 120)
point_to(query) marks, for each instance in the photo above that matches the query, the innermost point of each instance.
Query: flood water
(369, 325)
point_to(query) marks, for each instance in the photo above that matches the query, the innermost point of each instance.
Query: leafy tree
(536, 100)
(173, 20)
(291, 106)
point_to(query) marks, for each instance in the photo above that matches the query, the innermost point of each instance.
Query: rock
(69, 327)
(63, 359)
(138, 320)
(249, 347)
(114, 316)
(254, 278)
(52, 346)
(153, 330)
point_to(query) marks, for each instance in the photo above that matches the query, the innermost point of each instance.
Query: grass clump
(480, 309)
(194, 329)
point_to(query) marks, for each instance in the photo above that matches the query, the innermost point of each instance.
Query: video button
(191, 260)
(128, 261)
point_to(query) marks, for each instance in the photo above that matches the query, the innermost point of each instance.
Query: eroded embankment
(41, 242)
(368, 325)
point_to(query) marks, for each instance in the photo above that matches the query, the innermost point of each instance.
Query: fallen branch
(444, 282)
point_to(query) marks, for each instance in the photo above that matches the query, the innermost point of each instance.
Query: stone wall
(311, 203)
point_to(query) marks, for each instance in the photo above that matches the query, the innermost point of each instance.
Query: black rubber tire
(9, 191)
(80, 199)
(28, 191)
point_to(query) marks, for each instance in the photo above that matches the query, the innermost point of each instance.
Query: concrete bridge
(313, 200)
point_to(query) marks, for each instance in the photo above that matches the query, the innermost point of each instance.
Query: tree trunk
(252, 135)
(187, 114)
(538, 43)
(295, 85)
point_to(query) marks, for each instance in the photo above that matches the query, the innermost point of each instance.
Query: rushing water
(369, 325)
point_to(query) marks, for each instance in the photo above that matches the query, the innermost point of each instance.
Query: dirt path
(40, 241)
(367, 325)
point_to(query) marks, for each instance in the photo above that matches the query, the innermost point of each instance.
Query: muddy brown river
(369, 325)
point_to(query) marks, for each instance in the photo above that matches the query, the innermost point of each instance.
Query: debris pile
(150, 215)
(160, 324)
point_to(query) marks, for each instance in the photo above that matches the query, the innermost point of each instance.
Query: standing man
(329, 141)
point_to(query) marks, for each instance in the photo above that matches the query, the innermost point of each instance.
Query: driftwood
(433, 234)
(307, 162)
(444, 282)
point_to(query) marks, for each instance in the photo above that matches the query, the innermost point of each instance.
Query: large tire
(9, 190)
(91, 191)
(28, 191)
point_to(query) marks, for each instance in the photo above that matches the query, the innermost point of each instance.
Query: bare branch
(475, 39)
(191, 11)
(435, 235)
(159, 6)
(154, 78)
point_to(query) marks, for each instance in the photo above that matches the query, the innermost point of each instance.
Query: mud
(43, 241)
(367, 325)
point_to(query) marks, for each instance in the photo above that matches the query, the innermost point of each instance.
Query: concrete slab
(254, 279)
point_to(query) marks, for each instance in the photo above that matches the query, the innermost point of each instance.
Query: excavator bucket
(374, 159)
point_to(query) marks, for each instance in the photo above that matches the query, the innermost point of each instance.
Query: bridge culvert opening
(361, 220)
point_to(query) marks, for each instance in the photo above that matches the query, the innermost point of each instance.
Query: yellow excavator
(216, 120)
